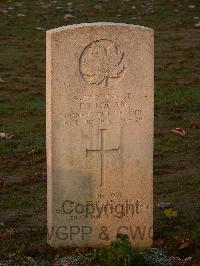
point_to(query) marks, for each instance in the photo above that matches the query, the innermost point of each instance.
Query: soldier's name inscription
(92, 110)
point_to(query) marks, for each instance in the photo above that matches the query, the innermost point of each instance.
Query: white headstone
(100, 134)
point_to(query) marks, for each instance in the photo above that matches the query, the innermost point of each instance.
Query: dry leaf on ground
(6, 136)
(158, 242)
(170, 213)
(68, 16)
(184, 245)
(7, 233)
(195, 125)
(178, 131)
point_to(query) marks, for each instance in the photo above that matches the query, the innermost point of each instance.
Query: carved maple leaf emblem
(100, 61)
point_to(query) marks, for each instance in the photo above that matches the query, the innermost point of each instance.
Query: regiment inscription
(91, 109)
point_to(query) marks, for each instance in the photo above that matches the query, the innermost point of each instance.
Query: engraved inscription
(112, 109)
(101, 61)
(102, 153)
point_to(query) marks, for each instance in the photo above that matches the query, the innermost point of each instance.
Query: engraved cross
(102, 152)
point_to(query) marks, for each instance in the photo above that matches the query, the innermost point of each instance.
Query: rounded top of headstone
(97, 24)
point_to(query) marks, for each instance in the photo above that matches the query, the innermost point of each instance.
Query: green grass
(177, 99)
(12, 197)
(170, 143)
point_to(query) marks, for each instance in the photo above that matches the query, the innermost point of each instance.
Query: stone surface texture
(100, 134)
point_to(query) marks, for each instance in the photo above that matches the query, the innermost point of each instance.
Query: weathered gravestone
(99, 134)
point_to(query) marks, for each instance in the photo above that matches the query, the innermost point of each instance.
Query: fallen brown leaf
(181, 240)
(184, 245)
(195, 125)
(178, 131)
(68, 16)
(158, 242)
(197, 25)
(6, 136)
(81, 250)
(7, 233)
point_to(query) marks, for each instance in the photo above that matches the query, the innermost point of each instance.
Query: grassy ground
(22, 113)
